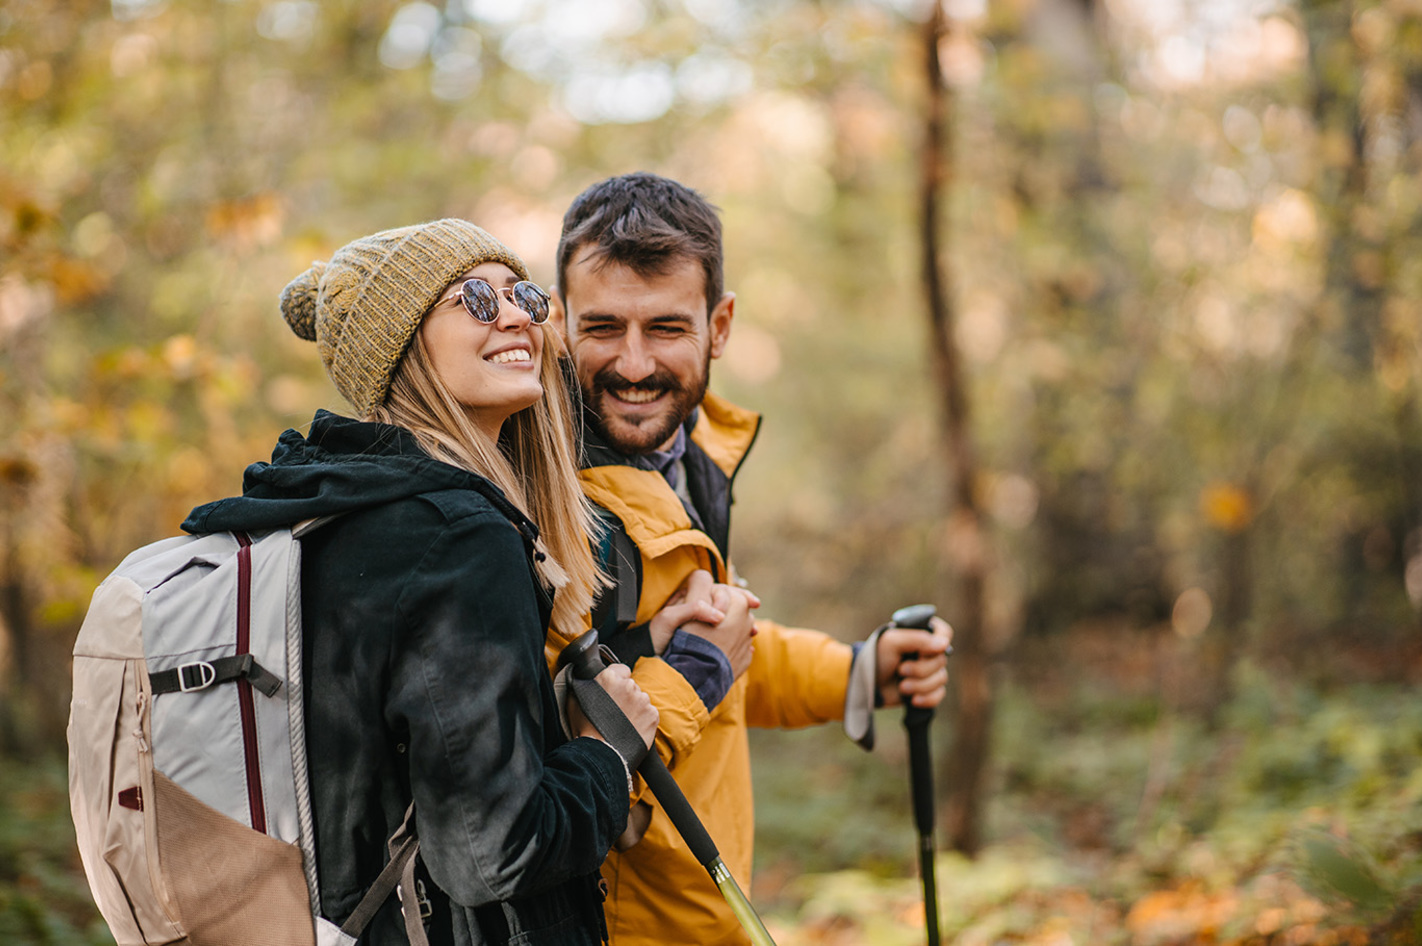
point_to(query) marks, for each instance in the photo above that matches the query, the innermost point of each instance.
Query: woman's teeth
(513, 354)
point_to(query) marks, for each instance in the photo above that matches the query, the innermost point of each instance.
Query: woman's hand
(693, 601)
(629, 697)
(734, 632)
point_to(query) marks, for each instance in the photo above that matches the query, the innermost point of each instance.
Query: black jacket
(425, 677)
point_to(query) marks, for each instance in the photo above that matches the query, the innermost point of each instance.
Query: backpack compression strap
(201, 674)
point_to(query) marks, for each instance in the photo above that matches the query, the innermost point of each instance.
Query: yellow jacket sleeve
(682, 717)
(797, 677)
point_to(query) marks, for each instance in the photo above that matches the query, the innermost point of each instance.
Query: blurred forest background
(1148, 431)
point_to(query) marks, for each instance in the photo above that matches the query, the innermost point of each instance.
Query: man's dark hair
(647, 223)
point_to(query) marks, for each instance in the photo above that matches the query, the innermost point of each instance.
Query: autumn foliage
(1180, 243)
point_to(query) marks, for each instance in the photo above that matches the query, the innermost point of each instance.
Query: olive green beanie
(363, 306)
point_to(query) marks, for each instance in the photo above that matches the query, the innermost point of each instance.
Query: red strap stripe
(245, 702)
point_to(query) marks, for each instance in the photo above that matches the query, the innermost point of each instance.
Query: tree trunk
(1223, 641)
(1362, 260)
(964, 766)
(16, 641)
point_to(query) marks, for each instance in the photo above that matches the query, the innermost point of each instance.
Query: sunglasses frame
(483, 304)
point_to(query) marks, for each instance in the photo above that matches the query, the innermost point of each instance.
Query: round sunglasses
(481, 300)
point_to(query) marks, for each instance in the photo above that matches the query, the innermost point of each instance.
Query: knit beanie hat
(363, 306)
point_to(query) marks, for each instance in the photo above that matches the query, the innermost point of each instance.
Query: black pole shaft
(921, 776)
(916, 722)
(659, 779)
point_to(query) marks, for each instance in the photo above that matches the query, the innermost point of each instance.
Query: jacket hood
(340, 466)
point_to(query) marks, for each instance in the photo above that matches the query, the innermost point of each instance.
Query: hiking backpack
(187, 751)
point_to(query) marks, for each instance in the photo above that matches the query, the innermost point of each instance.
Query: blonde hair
(533, 463)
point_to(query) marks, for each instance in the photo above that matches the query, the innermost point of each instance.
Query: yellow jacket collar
(725, 432)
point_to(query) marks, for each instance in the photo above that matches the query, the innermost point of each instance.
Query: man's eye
(600, 330)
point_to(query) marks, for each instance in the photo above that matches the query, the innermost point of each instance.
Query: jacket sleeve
(796, 678)
(498, 815)
(682, 716)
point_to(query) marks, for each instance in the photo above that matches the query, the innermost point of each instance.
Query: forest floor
(1294, 819)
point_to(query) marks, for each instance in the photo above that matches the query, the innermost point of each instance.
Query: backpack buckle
(198, 675)
(422, 900)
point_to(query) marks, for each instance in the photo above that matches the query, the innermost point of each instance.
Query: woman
(426, 598)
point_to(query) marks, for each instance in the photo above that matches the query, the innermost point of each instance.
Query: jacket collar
(726, 432)
(721, 436)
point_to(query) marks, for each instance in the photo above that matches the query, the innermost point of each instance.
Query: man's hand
(733, 633)
(922, 680)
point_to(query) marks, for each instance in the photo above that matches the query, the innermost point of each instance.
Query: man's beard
(632, 437)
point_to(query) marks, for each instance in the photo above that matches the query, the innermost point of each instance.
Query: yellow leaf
(247, 222)
(1227, 507)
(76, 280)
(180, 353)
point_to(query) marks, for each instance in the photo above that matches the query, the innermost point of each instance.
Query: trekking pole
(916, 720)
(585, 657)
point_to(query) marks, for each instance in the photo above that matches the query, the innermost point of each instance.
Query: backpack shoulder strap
(614, 612)
(616, 607)
(398, 874)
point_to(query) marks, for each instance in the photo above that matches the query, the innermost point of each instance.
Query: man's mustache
(609, 380)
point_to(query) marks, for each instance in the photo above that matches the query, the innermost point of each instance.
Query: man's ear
(720, 323)
(555, 330)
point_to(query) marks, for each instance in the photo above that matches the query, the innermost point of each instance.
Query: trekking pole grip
(584, 656)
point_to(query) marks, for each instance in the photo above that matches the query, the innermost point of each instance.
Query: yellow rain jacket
(658, 893)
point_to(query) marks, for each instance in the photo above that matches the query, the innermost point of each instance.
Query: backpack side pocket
(232, 885)
(111, 795)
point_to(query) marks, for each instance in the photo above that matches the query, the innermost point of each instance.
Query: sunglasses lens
(480, 299)
(532, 300)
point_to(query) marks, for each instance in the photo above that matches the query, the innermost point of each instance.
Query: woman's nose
(511, 315)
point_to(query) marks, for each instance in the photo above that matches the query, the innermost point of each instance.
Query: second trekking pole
(584, 656)
(916, 720)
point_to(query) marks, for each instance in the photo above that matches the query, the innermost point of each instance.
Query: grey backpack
(187, 751)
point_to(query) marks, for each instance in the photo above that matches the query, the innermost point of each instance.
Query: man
(641, 302)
